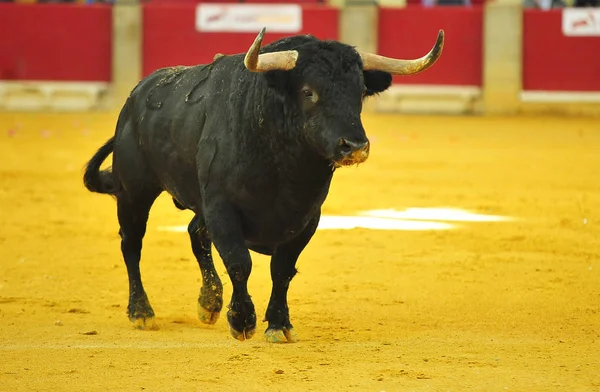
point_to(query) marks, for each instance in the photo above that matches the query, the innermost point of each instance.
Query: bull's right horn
(375, 62)
(255, 62)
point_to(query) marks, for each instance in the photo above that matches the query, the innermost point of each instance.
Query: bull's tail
(96, 180)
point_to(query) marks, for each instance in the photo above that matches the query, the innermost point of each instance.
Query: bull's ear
(376, 81)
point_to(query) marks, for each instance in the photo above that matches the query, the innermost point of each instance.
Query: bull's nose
(347, 147)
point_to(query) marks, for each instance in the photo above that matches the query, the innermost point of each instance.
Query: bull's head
(328, 81)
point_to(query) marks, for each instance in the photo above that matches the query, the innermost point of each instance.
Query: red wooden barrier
(418, 3)
(63, 42)
(284, 1)
(194, 2)
(554, 62)
(411, 32)
(170, 2)
(170, 36)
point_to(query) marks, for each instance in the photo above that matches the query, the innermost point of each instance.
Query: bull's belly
(262, 249)
(183, 187)
(263, 229)
(269, 232)
(260, 229)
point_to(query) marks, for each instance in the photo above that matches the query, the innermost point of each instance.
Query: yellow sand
(498, 306)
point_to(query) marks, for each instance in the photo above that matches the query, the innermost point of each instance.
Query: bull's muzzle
(352, 153)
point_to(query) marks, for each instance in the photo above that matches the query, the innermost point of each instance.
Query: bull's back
(166, 118)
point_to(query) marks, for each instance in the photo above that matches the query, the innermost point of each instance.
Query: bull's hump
(179, 82)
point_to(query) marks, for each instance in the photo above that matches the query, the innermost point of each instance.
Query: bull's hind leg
(283, 269)
(133, 215)
(210, 301)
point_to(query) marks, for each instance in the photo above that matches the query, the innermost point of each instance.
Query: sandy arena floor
(484, 306)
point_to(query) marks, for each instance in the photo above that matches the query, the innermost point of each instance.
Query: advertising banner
(248, 18)
(581, 22)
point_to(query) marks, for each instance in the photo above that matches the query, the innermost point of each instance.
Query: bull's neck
(298, 164)
(304, 177)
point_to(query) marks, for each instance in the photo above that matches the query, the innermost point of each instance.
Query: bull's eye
(309, 95)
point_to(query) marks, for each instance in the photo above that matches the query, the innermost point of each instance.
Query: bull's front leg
(283, 269)
(225, 229)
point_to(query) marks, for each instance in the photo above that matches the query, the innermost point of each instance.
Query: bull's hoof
(285, 335)
(144, 323)
(207, 316)
(140, 313)
(210, 303)
(242, 324)
(242, 335)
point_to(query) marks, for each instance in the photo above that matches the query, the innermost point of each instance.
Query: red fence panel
(411, 32)
(63, 42)
(555, 62)
(238, 1)
(171, 38)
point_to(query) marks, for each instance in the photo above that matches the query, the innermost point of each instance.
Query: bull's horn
(284, 60)
(375, 62)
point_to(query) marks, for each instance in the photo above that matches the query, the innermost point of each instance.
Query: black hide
(251, 154)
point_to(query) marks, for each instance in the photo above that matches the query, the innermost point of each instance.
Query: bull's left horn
(375, 62)
(283, 61)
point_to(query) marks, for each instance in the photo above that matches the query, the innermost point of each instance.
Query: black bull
(249, 144)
